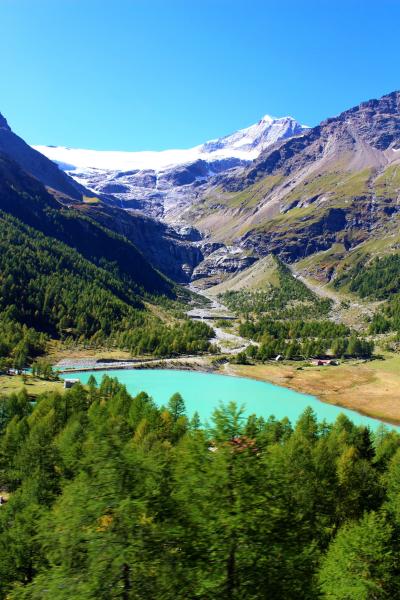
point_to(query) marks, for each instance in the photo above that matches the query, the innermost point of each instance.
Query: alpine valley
(275, 222)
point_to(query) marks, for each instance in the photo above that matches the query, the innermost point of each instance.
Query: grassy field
(371, 388)
(57, 351)
(10, 384)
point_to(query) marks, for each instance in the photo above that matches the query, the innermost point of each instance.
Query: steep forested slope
(64, 275)
(376, 279)
(25, 198)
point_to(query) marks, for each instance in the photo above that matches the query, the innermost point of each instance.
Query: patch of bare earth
(366, 388)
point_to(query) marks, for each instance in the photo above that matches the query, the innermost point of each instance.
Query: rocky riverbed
(227, 342)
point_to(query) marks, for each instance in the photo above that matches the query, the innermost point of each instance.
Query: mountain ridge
(36, 164)
(336, 183)
(266, 131)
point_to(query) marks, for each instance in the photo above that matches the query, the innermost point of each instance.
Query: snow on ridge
(116, 160)
(245, 144)
(71, 159)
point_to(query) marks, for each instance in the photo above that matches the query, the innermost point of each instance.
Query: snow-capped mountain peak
(257, 137)
(244, 144)
(156, 182)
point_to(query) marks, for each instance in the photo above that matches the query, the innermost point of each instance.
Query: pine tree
(360, 563)
(176, 406)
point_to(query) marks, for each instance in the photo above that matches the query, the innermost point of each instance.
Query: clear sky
(155, 74)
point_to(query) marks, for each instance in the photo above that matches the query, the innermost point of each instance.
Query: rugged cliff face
(337, 183)
(181, 253)
(174, 252)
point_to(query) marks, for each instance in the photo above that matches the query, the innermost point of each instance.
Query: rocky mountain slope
(155, 187)
(37, 165)
(174, 252)
(311, 196)
(337, 183)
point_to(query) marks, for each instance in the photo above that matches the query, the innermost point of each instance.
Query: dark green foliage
(50, 288)
(44, 370)
(65, 276)
(18, 342)
(360, 564)
(189, 337)
(176, 406)
(241, 358)
(27, 200)
(46, 283)
(378, 279)
(388, 318)
(304, 339)
(111, 497)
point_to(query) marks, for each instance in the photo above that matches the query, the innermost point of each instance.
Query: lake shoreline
(303, 386)
(180, 364)
(203, 392)
(313, 381)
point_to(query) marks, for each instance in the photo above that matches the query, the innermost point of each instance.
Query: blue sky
(154, 74)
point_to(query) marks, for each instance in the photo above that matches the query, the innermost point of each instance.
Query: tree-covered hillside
(26, 199)
(47, 287)
(111, 497)
(64, 276)
(377, 279)
(286, 318)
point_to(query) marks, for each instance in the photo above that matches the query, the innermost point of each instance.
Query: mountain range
(36, 164)
(305, 194)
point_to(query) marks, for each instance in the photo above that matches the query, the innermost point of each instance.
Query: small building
(323, 362)
(13, 372)
(68, 383)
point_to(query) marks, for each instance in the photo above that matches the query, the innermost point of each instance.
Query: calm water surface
(204, 391)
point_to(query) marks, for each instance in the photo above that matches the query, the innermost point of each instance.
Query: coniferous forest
(290, 320)
(109, 496)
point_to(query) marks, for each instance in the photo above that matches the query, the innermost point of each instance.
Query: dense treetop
(112, 497)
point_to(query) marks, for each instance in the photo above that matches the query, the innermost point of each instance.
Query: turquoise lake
(204, 391)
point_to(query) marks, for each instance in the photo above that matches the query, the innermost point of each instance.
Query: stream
(228, 343)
